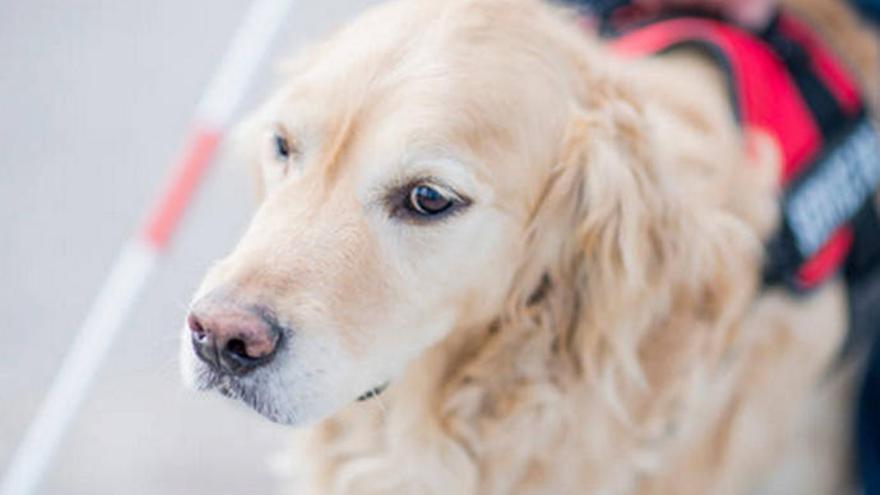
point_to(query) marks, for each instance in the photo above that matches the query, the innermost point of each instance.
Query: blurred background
(95, 101)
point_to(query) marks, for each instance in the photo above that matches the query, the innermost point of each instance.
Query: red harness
(788, 85)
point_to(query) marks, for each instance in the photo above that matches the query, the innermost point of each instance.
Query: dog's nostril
(238, 348)
(243, 353)
(196, 329)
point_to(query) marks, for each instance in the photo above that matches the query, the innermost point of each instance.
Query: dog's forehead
(457, 46)
(383, 94)
(420, 114)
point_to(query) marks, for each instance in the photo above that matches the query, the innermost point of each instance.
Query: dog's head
(429, 164)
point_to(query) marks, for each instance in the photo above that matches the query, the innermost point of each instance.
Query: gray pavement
(95, 99)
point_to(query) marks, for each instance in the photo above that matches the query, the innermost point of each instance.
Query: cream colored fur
(592, 323)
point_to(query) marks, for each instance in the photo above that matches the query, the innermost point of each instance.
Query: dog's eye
(282, 147)
(423, 201)
(427, 200)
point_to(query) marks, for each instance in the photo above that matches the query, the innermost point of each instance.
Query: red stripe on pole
(193, 163)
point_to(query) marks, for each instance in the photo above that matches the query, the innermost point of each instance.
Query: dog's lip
(216, 381)
(373, 392)
(244, 392)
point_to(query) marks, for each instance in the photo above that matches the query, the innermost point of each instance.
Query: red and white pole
(138, 257)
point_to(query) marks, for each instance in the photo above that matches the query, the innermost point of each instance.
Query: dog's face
(399, 166)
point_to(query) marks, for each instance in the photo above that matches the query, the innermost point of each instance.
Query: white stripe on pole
(135, 264)
(241, 62)
(89, 347)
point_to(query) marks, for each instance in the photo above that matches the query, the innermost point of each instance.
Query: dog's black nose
(230, 339)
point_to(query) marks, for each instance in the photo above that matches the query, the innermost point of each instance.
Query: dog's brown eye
(282, 147)
(427, 200)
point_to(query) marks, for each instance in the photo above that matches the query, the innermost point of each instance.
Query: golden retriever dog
(537, 265)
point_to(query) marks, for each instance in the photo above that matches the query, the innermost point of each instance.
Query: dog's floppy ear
(627, 253)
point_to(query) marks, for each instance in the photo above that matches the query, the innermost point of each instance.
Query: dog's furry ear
(627, 252)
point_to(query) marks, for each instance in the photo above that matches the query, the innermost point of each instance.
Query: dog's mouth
(373, 392)
(250, 390)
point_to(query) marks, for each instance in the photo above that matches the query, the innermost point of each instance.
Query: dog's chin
(254, 392)
(263, 392)
(267, 392)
